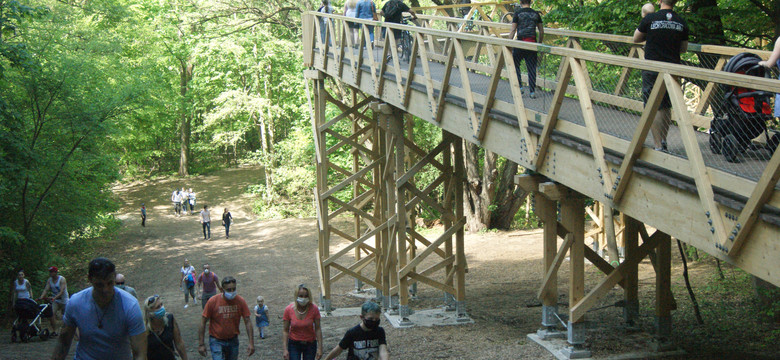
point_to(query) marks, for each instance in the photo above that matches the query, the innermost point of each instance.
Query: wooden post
(573, 219)
(663, 291)
(397, 129)
(546, 209)
(449, 299)
(323, 252)
(460, 252)
(356, 188)
(631, 276)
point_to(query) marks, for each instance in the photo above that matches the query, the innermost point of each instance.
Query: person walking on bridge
(665, 34)
(524, 26)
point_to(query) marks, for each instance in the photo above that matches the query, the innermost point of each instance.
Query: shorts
(648, 81)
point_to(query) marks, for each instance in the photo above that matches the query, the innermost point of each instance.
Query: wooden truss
(378, 193)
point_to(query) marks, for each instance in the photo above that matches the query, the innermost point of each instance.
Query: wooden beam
(494, 80)
(638, 140)
(556, 263)
(698, 168)
(552, 118)
(582, 306)
(445, 83)
(428, 250)
(761, 193)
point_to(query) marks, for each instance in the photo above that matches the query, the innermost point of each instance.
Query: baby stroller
(743, 114)
(25, 330)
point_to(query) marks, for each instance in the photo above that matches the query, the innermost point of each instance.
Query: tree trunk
(491, 200)
(186, 118)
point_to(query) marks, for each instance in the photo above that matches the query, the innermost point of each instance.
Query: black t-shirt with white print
(363, 345)
(527, 20)
(665, 31)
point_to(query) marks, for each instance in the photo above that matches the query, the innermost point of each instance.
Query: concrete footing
(642, 347)
(432, 317)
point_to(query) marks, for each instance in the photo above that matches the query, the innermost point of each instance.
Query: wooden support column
(356, 188)
(573, 219)
(449, 299)
(396, 128)
(460, 217)
(663, 291)
(631, 275)
(323, 231)
(547, 211)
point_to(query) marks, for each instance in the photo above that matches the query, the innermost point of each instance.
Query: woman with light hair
(164, 339)
(350, 10)
(302, 334)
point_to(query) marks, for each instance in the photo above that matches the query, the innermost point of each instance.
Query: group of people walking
(108, 323)
(184, 203)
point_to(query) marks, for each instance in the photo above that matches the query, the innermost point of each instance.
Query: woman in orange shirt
(302, 335)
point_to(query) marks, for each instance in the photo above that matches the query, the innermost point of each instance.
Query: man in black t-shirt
(365, 341)
(393, 12)
(666, 36)
(525, 23)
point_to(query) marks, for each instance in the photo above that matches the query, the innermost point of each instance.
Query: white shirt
(205, 216)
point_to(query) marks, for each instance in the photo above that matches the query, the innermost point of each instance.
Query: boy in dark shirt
(525, 23)
(365, 341)
(666, 36)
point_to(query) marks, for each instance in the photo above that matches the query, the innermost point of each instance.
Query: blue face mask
(230, 295)
(160, 313)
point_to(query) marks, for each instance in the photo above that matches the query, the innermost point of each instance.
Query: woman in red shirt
(302, 335)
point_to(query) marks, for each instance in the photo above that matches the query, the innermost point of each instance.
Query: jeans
(530, 63)
(189, 291)
(224, 349)
(207, 226)
(227, 229)
(205, 298)
(302, 349)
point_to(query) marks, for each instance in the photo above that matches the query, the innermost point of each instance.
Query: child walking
(261, 316)
(366, 340)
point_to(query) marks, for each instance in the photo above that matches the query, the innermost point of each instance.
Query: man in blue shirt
(109, 320)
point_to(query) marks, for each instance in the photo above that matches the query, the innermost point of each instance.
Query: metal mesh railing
(604, 93)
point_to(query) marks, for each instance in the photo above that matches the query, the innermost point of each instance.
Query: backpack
(190, 281)
(393, 9)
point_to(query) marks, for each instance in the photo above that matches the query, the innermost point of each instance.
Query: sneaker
(664, 146)
(186, 305)
(532, 95)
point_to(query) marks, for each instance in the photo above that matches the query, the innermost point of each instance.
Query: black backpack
(393, 9)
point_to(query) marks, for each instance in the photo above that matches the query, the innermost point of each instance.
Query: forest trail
(271, 258)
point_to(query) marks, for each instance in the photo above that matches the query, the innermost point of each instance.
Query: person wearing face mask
(209, 283)
(302, 335)
(365, 341)
(164, 340)
(223, 313)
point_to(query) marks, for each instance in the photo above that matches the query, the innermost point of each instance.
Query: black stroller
(27, 309)
(743, 114)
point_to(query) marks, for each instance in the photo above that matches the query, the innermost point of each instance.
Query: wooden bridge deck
(616, 122)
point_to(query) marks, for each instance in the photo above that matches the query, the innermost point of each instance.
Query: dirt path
(270, 258)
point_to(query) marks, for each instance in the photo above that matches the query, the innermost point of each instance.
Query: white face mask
(303, 301)
(230, 295)
(205, 271)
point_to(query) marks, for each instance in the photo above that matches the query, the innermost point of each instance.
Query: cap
(53, 269)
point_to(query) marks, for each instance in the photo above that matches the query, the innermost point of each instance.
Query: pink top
(302, 330)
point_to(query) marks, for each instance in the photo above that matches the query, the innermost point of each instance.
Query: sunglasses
(153, 299)
(120, 283)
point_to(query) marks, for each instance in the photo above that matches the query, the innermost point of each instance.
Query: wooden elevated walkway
(585, 135)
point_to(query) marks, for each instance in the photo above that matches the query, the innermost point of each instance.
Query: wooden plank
(706, 96)
(428, 281)
(663, 274)
(327, 194)
(350, 111)
(638, 140)
(556, 264)
(599, 262)
(624, 74)
(411, 74)
(357, 266)
(418, 237)
(494, 80)
(428, 250)
(552, 118)
(426, 72)
(355, 275)
(749, 215)
(596, 145)
(528, 182)
(698, 169)
(445, 83)
(573, 218)
(438, 266)
(466, 85)
(354, 209)
(407, 176)
(352, 245)
(581, 307)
